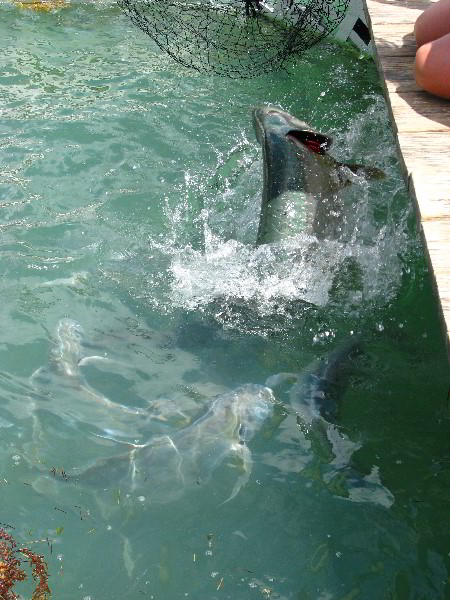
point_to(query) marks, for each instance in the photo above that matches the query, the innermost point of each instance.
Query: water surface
(133, 298)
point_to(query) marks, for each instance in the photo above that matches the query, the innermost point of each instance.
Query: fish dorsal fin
(318, 143)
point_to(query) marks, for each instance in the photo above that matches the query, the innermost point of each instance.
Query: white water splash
(301, 268)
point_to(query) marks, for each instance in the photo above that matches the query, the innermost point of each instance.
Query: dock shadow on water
(185, 412)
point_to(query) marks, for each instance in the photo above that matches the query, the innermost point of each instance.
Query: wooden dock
(421, 124)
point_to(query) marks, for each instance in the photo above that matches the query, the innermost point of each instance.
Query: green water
(132, 296)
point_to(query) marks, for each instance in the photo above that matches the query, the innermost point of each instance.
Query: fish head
(269, 121)
(246, 409)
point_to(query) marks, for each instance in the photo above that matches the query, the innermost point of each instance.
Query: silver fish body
(300, 185)
(166, 466)
(301, 181)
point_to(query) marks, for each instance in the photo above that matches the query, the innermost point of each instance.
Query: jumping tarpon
(301, 180)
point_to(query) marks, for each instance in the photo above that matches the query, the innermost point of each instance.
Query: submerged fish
(301, 180)
(314, 396)
(74, 399)
(313, 393)
(76, 280)
(165, 467)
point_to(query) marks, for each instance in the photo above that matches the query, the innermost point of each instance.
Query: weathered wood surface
(421, 124)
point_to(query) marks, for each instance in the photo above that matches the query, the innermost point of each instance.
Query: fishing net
(235, 38)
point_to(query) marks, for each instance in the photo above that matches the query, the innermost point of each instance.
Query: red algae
(11, 570)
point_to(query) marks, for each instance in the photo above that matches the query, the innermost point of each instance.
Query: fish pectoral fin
(370, 173)
(246, 457)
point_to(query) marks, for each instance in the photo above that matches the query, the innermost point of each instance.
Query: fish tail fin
(246, 457)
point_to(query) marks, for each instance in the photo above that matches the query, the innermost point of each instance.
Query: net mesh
(235, 38)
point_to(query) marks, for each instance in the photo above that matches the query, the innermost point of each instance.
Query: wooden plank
(436, 235)
(402, 4)
(419, 111)
(416, 111)
(388, 13)
(427, 153)
(431, 202)
(395, 40)
(421, 123)
(384, 11)
(397, 73)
